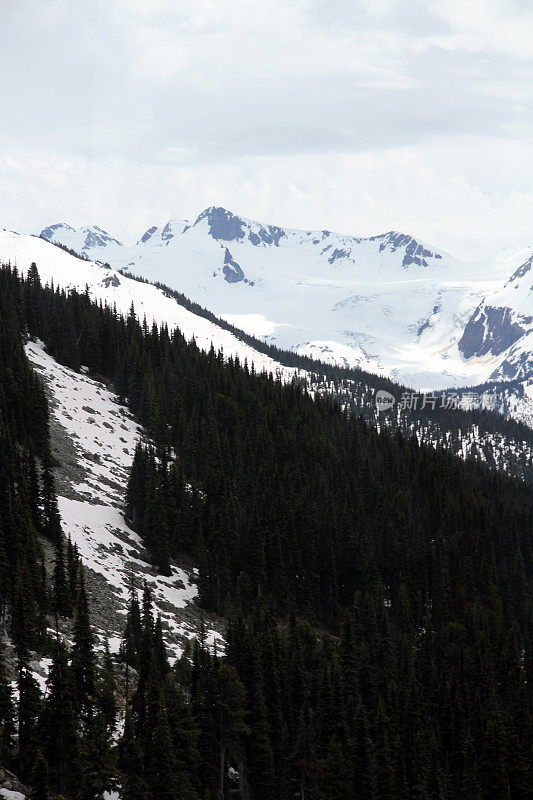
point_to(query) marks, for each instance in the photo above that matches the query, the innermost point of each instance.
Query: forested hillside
(377, 591)
(467, 425)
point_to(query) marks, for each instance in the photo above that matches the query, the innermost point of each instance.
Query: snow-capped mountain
(499, 443)
(109, 287)
(389, 304)
(83, 240)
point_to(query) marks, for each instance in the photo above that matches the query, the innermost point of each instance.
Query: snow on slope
(108, 286)
(388, 303)
(91, 496)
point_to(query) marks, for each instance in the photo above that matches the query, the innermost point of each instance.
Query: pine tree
(108, 689)
(83, 658)
(97, 769)
(230, 709)
(131, 762)
(40, 779)
(160, 771)
(61, 599)
(59, 725)
(29, 705)
(7, 715)
(51, 519)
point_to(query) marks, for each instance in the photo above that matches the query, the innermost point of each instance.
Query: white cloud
(357, 116)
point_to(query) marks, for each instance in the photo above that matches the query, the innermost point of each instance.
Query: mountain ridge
(389, 303)
(467, 432)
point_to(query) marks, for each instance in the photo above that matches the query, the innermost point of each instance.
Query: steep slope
(387, 303)
(503, 324)
(93, 441)
(309, 518)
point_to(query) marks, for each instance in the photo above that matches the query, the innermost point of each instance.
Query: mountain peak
(51, 230)
(223, 224)
(415, 252)
(82, 240)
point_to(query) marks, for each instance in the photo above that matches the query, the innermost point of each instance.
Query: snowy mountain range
(497, 442)
(389, 304)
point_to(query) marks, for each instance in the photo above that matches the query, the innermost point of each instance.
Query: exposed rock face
(269, 235)
(491, 331)
(232, 271)
(167, 232)
(93, 439)
(82, 240)
(337, 254)
(111, 280)
(148, 234)
(48, 233)
(521, 271)
(415, 253)
(223, 224)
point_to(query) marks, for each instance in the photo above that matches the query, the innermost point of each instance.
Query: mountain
(108, 286)
(83, 240)
(389, 304)
(503, 324)
(469, 433)
(333, 558)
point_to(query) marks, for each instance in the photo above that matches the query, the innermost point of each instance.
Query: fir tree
(83, 658)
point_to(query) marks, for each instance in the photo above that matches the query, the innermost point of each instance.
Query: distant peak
(47, 233)
(223, 224)
(97, 237)
(415, 252)
(82, 239)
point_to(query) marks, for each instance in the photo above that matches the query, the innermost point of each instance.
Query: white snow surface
(108, 286)
(104, 436)
(389, 304)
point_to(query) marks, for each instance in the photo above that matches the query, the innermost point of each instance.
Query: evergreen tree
(7, 715)
(40, 779)
(83, 658)
(59, 725)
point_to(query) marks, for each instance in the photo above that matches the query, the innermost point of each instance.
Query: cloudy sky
(355, 115)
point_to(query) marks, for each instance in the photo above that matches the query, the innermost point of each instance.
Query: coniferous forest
(377, 592)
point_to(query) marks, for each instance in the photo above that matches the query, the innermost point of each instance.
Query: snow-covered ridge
(106, 285)
(390, 304)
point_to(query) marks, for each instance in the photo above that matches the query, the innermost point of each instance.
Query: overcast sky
(359, 116)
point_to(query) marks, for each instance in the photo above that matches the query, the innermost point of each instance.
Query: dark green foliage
(60, 726)
(303, 520)
(7, 715)
(50, 742)
(40, 779)
(83, 658)
(97, 768)
(29, 705)
(108, 690)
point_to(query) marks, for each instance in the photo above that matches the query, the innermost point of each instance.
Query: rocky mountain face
(503, 324)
